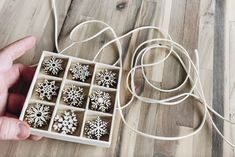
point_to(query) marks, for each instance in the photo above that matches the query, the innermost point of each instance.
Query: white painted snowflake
(106, 78)
(38, 115)
(66, 123)
(80, 72)
(53, 66)
(73, 96)
(96, 129)
(47, 89)
(100, 101)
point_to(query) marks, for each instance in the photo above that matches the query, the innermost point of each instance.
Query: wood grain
(218, 75)
(206, 25)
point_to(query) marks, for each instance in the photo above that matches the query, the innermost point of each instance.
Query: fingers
(3, 101)
(13, 129)
(10, 115)
(18, 48)
(15, 103)
(19, 71)
(31, 137)
(14, 51)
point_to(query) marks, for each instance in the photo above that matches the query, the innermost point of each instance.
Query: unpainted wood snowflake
(53, 66)
(47, 89)
(106, 78)
(100, 101)
(66, 123)
(80, 72)
(38, 115)
(74, 96)
(95, 129)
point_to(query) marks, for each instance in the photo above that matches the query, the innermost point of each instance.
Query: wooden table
(207, 25)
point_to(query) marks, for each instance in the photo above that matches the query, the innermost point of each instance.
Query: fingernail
(35, 138)
(23, 131)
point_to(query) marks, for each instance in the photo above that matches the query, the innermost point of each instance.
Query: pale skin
(11, 102)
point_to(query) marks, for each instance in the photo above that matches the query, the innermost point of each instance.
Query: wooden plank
(202, 141)
(229, 96)
(218, 75)
(133, 145)
(175, 124)
(151, 114)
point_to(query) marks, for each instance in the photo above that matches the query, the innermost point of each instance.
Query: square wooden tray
(58, 106)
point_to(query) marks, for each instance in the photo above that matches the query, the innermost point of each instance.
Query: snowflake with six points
(53, 66)
(106, 78)
(73, 96)
(100, 101)
(38, 115)
(96, 129)
(47, 89)
(66, 123)
(80, 72)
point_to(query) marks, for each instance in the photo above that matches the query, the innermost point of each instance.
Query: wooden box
(58, 106)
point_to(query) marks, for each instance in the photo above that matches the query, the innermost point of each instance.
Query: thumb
(13, 129)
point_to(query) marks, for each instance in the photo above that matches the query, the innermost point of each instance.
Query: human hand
(11, 103)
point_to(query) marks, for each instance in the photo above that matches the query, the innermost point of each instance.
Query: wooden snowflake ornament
(100, 101)
(47, 89)
(74, 96)
(80, 72)
(38, 115)
(96, 129)
(53, 66)
(66, 123)
(106, 78)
